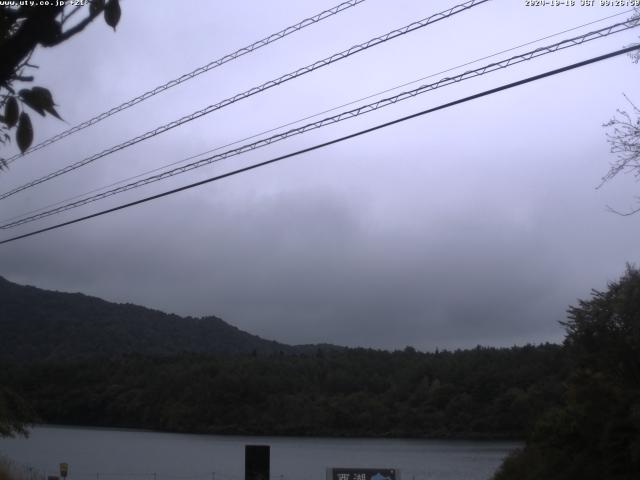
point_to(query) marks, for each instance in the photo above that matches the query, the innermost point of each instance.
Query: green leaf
(112, 13)
(24, 135)
(96, 7)
(46, 100)
(11, 112)
(40, 99)
(27, 97)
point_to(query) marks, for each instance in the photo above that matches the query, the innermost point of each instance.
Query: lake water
(106, 454)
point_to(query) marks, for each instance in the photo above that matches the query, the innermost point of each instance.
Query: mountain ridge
(39, 324)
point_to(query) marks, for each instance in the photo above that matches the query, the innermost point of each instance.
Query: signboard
(362, 474)
(64, 470)
(257, 462)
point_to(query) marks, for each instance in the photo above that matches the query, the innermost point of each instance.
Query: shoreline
(451, 438)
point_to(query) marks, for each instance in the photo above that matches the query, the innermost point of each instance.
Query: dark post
(256, 462)
(64, 470)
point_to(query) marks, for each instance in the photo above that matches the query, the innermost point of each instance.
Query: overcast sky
(479, 224)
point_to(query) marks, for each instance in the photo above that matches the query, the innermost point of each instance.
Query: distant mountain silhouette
(37, 324)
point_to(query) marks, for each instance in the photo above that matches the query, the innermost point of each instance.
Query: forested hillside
(484, 392)
(76, 359)
(594, 433)
(38, 324)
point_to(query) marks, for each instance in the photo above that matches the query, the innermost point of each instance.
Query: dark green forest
(478, 393)
(594, 433)
(577, 405)
(80, 360)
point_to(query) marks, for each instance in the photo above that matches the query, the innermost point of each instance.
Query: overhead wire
(255, 90)
(514, 60)
(194, 73)
(308, 117)
(332, 142)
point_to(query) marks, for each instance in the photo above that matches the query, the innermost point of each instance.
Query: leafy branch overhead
(22, 29)
(624, 139)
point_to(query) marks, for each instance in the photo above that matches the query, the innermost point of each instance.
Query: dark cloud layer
(477, 225)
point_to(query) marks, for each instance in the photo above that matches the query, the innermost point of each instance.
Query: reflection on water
(107, 454)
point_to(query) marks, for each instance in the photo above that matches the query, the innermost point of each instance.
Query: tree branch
(77, 28)
(36, 28)
(623, 214)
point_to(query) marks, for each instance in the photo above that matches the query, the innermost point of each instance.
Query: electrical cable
(308, 117)
(255, 90)
(194, 73)
(514, 60)
(332, 142)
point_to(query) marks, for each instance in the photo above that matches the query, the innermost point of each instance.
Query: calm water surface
(104, 454)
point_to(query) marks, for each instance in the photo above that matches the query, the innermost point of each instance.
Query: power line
(265, 86)
(334, 141)
(337, 118)
(514, 60)
(308, 117)
(194, 73)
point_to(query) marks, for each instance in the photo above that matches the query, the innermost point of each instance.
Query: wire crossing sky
(492, 67)
(50, 207)
(194, 73)
(448, 13)
(332, 142)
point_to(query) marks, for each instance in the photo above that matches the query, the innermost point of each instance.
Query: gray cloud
(476, 225)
